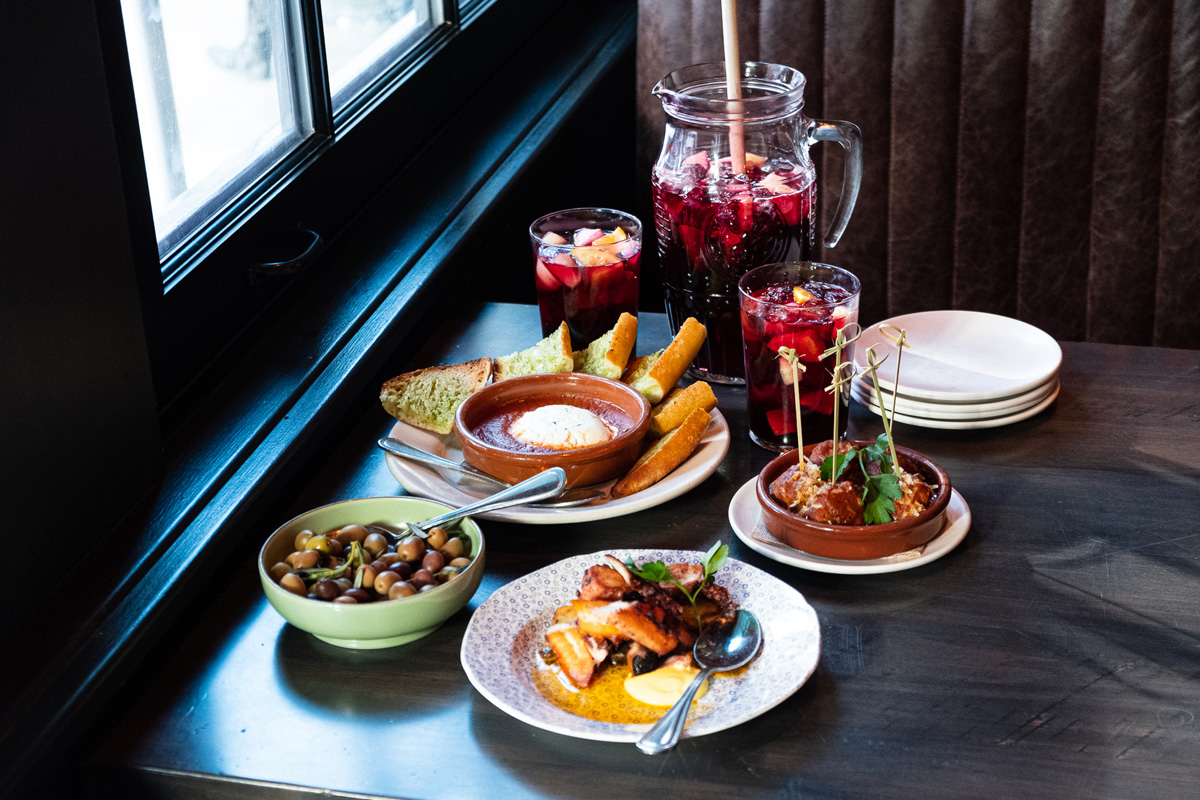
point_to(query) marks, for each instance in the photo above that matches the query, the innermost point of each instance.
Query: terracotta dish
(854, 542)
(485, 417)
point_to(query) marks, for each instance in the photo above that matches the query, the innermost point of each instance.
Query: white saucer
(964, 356)
(745, 517)
(970, 424)
(955, 411)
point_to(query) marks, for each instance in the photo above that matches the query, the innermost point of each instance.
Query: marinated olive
(452, 549)
(388, 559)
(302, 538)
(344, 584)
(384, 582)
(428, 588)
(437, 538)
(375, 544)
(346, 600)
(423, 577)
(433, 561)
(306, 559)
(403, 569)
(335, 547)
(351, 533)
(359, 595)
(366, 576)
(411, 549)
(279, 570)
(326, 589)
(318, 543)
(401, 589)
(460, 562)
(294, 584)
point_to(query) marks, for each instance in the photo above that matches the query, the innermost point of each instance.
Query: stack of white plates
(962, 369)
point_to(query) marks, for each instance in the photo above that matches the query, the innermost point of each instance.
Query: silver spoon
(540, 486)
(724, 645)
(566, 499)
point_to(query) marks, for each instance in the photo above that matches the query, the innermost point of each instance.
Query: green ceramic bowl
(383, 623)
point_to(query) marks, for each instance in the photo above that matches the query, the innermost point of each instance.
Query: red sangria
(801, 306)
(713, 226)
(586, 269)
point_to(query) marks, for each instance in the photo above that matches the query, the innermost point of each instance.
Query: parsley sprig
(880, 492)
(658, 572)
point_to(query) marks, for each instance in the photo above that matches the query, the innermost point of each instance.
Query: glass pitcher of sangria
(714, 223)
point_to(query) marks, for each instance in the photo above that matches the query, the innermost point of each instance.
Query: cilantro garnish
(879, 498)
(657, 571)
(833, 466)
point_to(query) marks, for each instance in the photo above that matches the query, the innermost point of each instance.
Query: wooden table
(1055, 653)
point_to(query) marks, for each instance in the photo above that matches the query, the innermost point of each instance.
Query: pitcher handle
(848, 136)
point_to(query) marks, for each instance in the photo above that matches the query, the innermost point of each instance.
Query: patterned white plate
(500, 647)
(453, 490)
(745, 517)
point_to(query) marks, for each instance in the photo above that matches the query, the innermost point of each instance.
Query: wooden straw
(733, 84)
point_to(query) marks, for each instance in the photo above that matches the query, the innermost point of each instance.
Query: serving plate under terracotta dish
(855, 541)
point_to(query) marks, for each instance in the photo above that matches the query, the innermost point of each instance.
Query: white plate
(964, 355)
(449, 488)
(745, 516)
(500, 647)
(953, 411)
(864, 385)
(972, 424)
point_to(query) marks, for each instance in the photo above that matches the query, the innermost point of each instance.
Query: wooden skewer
(733, 84)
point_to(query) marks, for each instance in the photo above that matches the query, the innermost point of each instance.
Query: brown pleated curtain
(1039, 159)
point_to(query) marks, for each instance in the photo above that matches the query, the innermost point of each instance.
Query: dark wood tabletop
(1055, 653)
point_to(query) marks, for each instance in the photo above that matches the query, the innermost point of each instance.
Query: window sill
(251, 436)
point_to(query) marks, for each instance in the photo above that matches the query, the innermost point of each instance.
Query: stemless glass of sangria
(586, 268)
(800, 305)
(716, 218)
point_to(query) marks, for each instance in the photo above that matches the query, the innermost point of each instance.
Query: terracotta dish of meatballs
(839, 518)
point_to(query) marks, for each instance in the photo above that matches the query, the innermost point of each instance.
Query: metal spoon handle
(666, 732)
(539, 487)
(406, 451)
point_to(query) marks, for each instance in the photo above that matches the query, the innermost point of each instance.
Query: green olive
(318, 543)
(452, 549)
(375, 544)
(294, 584)
(351, 533)
(437, 537)
(301, 538)
(411, 549)
(384, 581)
(401, 589)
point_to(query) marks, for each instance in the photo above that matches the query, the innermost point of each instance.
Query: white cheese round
(561, 427)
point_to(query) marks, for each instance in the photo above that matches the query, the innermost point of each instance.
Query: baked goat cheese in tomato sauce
(561, 427)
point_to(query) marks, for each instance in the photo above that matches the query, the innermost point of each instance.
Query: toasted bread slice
(666, 454)
(552, 354)
(428, 398)
(608, 355)
(657, 376)
(672, 411)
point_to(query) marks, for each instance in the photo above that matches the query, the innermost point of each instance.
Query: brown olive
(375, 544)
(460, 563)
(291, 558)
(335, 547)
(351, 533)
(403, 569)
(452, 549)
(401, 589)
(411, 549)
(358, 594)
(378, 566)
(318, 543)
(428, 588)
(368, 574)
(293, 583)
(344, 584)
(346, 600)
(302, 538)
(446, 575)
(437, 538)
(387, 560)
(433, 561)
(423, 577)
(326, 589)
(307, 559)
(279, 570)
(384, 582)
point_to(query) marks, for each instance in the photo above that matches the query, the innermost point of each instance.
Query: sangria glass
(586, 264)
(800, 305)
(714, 225)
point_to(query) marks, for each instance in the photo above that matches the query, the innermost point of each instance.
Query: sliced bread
(657, 374)
(671, 412)
(552, 354)
(429, 398)
(608, 355)
(666, 454)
